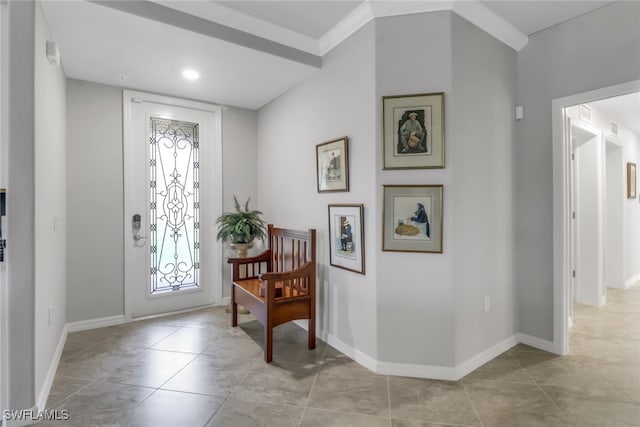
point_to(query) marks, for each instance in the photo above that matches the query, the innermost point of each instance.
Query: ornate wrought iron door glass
(174, 189)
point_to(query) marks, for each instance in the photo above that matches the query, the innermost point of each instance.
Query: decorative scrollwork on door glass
(174, 188)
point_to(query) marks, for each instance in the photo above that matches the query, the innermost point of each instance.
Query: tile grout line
(473, 406)
(389, 398)
(233, 390)
(306, 404)
(540, 387)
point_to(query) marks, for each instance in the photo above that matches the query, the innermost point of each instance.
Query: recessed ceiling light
(190, 74)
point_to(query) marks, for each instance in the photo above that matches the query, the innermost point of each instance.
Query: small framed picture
(413, 131)
(631, 180)
(346, 237)
(332, 165)
(412, 218)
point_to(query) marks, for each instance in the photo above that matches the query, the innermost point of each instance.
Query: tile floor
(194, 370)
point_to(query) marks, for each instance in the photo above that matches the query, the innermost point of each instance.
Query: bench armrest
(305, 270)
(263, 256)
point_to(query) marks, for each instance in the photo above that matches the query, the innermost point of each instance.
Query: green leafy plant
(241, 226)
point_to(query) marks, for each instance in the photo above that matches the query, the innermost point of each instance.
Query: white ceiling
(248, 52)
(532, 16)
(625, 109)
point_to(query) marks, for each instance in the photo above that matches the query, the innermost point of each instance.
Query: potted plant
(241, 228)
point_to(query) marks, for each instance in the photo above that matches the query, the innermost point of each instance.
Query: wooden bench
(278, 285)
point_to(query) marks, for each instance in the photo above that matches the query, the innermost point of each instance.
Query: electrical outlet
(487, 303)
(50, 314)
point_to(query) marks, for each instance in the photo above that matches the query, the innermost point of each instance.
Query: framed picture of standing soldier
(413, 131)
(346, 237)
(332, 165)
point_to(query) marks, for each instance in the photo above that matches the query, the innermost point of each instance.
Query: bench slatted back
(290, 249)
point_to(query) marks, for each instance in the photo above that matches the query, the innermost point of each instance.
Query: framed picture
(332, 165)
(346, 237)
(412, 218)
(413, 131)
(631, 180)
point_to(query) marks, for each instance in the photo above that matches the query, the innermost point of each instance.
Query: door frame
(562, 207)
(128, 96)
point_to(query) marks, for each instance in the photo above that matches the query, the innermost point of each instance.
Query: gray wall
(592, 51)
(20, 205)
(95, 201)
(95, 193)
(480, 136)
(239, 169)
(50, 204)
(339, 100)
(415, 290)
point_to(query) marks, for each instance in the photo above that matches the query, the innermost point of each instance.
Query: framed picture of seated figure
(412, 218)
(413, 131)
(346, 237)
(332, 165)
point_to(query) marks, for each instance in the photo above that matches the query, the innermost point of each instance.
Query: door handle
(136, 225)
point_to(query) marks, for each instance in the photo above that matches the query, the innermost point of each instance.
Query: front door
(173, 194)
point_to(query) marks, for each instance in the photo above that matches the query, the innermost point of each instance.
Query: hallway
(194, 370)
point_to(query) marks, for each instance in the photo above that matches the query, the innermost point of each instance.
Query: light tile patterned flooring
(194, 370)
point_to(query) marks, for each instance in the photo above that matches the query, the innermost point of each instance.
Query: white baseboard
(226, 300)
(41, 403)
(632, 281)
(481, 358)
(358, 356)
(417, 371)
(100, 322)
(602, 301)
(536, 342)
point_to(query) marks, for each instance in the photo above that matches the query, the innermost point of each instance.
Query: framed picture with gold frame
(412, 218)
(413, 131)
(631, 180)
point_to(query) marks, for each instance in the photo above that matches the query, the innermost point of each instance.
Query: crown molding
(227, 16)
(471, 10)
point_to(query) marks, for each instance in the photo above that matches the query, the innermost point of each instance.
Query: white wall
(591, 51)
(416, 307)
(481, 137)
(50, 203)
(339, 100)
(589, 172)
(622, 216)
(614, 215)
(408, 309)
(95, 193)
(631, 215)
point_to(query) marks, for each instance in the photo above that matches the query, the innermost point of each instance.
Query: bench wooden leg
(268, 343)
(312, 333)
(234, 308)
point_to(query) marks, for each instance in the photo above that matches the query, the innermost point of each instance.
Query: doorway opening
(595, 135)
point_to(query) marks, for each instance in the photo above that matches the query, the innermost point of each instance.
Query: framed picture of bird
(413, 131)
(412, 218)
